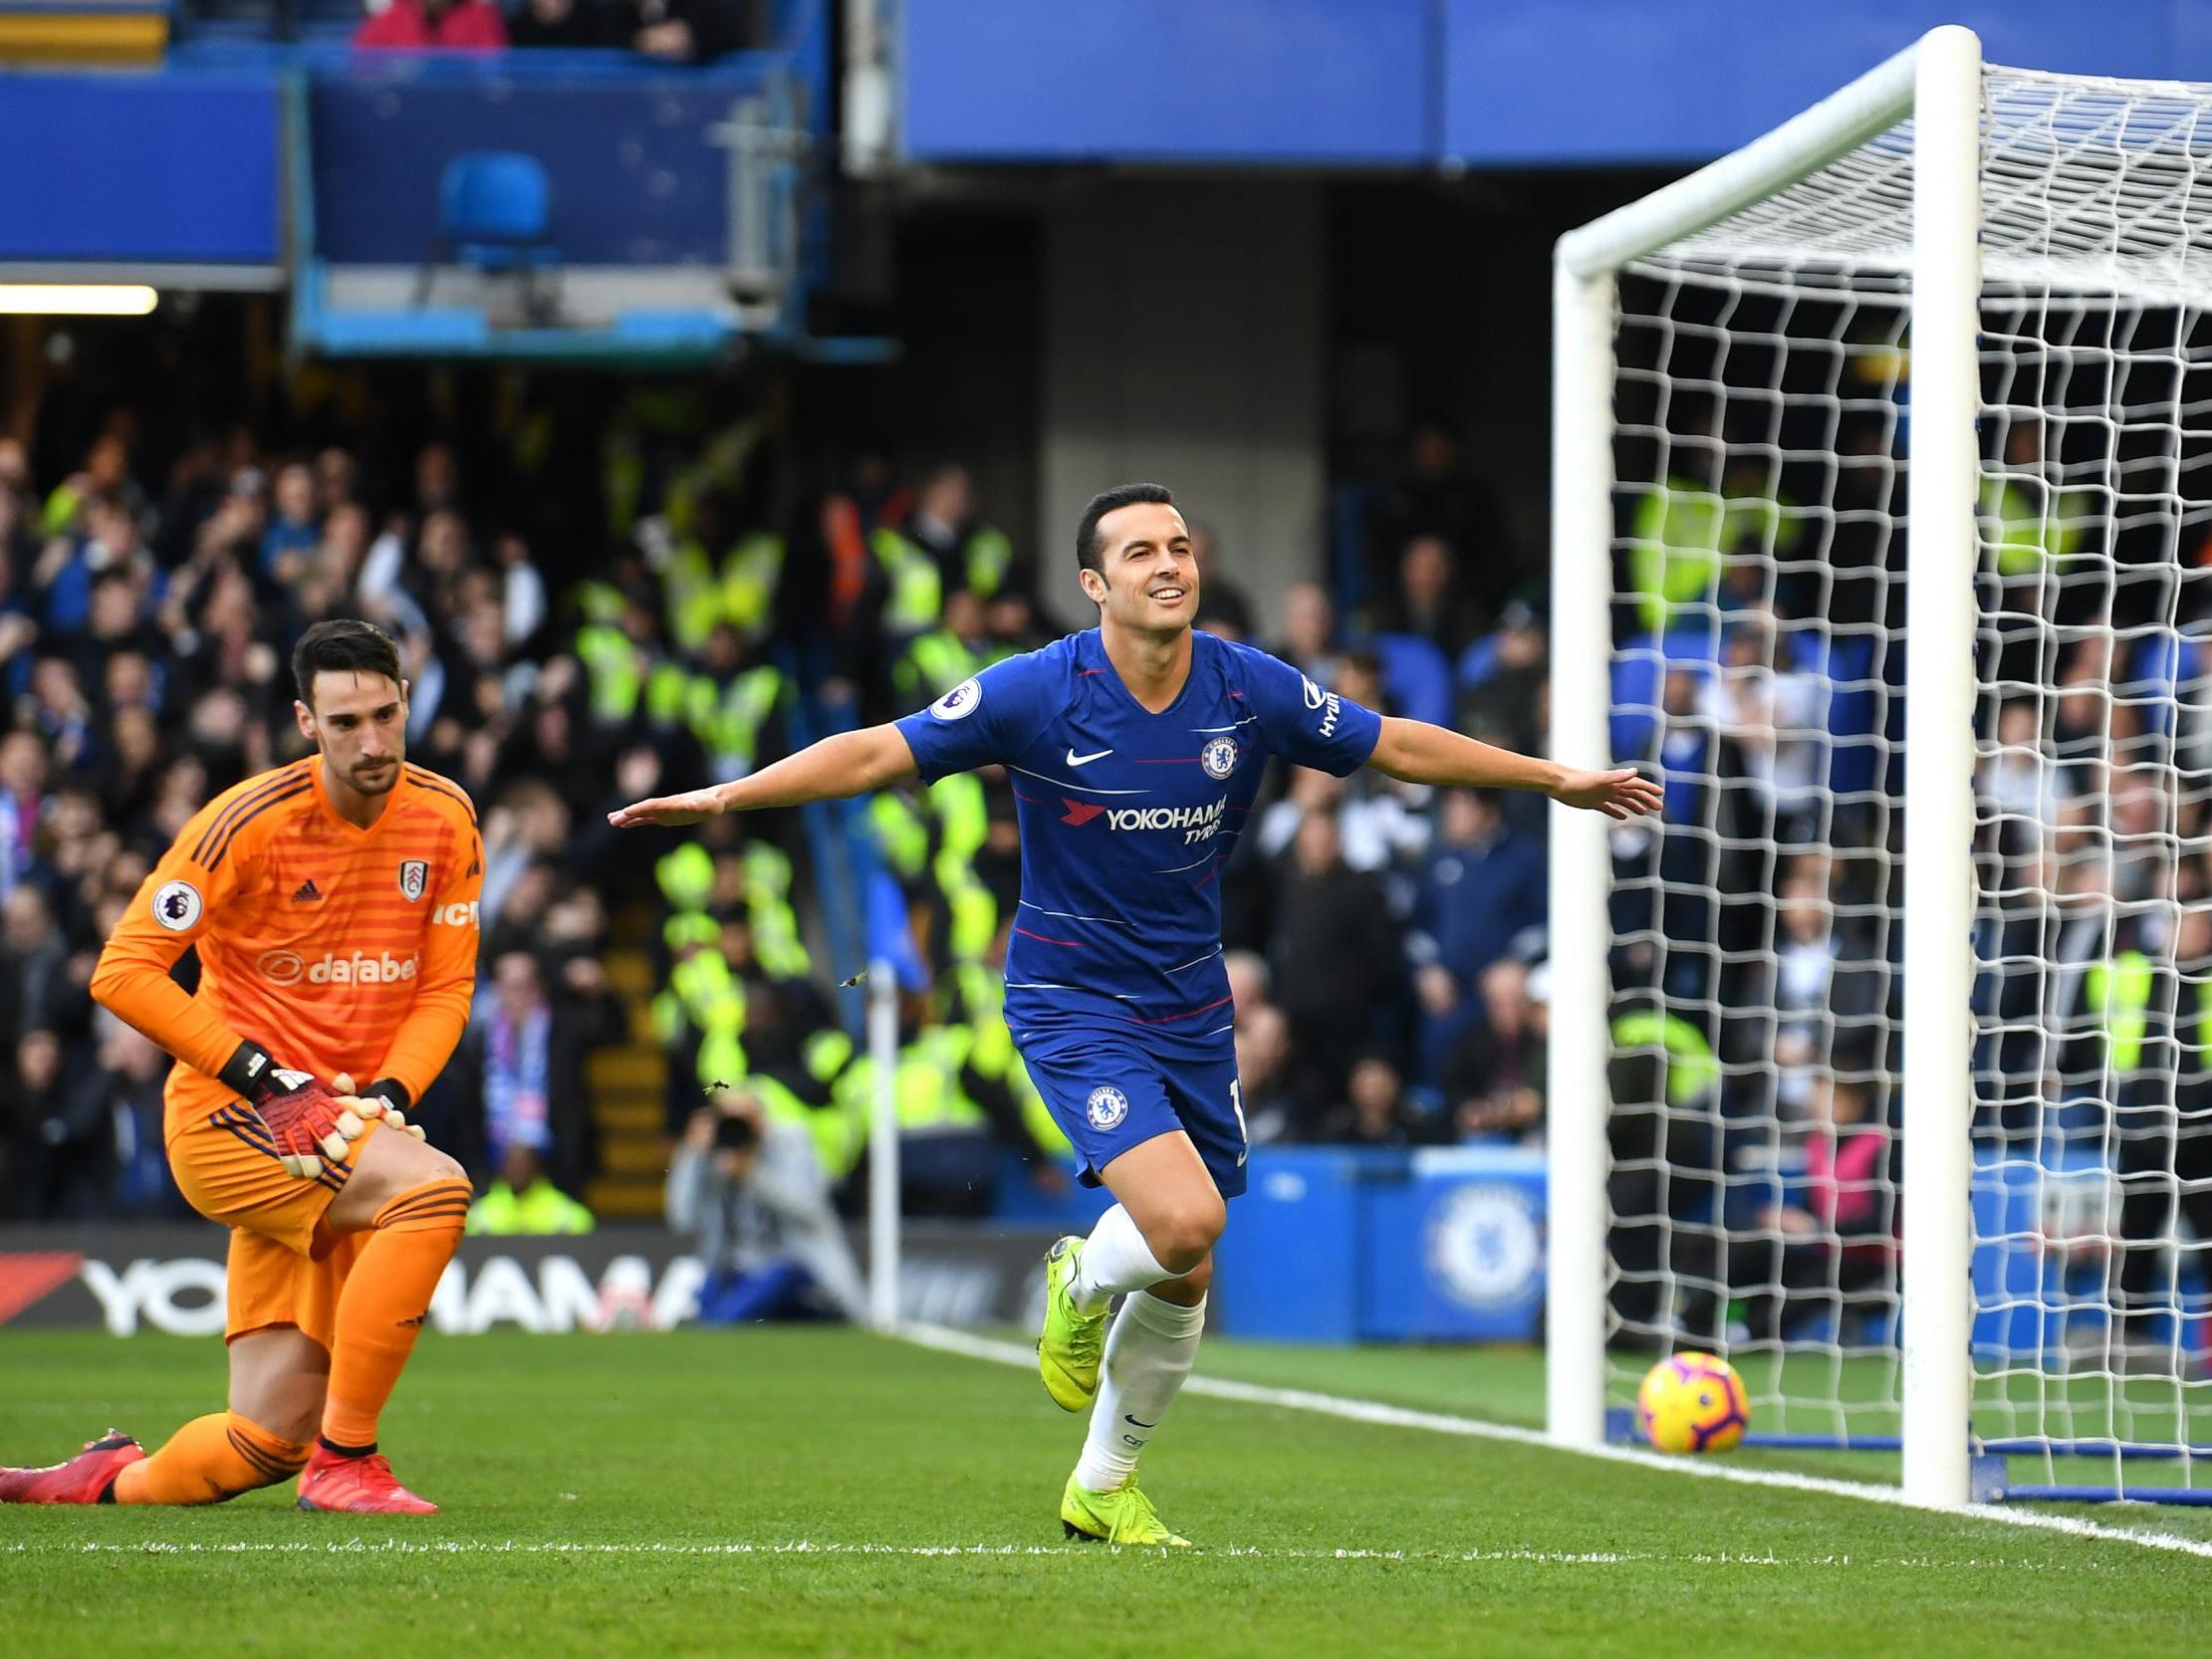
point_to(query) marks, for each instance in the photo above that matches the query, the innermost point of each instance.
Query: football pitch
(812, 1491)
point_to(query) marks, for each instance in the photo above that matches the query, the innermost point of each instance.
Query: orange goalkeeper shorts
(270, 1285)
(286, 1266)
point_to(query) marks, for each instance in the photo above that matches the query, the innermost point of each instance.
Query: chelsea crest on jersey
(1127, 818)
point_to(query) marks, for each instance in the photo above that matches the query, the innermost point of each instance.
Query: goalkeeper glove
(384, 1101)
(303, 1115)
(387, 1098)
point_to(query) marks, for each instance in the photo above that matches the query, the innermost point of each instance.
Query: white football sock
(1148, 1354)
(1116, 1259)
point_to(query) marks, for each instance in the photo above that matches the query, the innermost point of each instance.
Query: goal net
(1906, 1003)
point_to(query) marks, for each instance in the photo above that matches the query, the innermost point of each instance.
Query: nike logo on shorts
(1074, 759)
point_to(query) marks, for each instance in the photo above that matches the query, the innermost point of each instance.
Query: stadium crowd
(143, 645)
(1759, 924)
(144, 625)
(1388, 945)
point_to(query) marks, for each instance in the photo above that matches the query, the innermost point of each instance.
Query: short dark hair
(1090, 549)
(344, 644)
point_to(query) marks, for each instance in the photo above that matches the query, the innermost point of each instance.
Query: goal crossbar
(1831, 128)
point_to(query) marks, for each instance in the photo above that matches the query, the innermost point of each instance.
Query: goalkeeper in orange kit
(334, 902)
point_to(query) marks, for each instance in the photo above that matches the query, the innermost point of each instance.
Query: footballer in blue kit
(1116, 989)
(1135, 750)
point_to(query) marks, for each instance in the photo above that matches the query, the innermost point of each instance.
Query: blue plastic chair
(1416, 676)
(495, 214)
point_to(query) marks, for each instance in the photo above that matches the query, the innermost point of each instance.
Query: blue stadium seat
(495, 214)
(495, 209)
(1855, 708)
(1639, 672)
(1416, 676)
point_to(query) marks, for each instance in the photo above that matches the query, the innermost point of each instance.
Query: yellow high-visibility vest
(916, 597)
(1692, 1069)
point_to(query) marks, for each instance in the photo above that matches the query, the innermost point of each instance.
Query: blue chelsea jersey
(1127, 818)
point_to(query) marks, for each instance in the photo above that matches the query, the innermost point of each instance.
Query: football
(1693, 1402)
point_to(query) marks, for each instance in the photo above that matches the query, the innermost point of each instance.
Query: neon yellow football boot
(1071, 1343)
(1122, 1516)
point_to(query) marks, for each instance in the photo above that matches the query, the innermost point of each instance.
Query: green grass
(645, 1495)
(1506, 1385)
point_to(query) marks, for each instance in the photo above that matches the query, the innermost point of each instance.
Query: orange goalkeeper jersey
(335, 948)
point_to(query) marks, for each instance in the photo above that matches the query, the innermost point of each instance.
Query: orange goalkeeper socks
(388, 1291)
(210, 1459)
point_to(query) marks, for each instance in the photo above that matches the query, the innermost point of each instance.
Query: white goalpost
(1882, 479)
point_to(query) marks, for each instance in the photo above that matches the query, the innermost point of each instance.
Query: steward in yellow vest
(2144, 1042)
(521, 1201)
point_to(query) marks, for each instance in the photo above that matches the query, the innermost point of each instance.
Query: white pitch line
(948, 1340)
(808, 1547)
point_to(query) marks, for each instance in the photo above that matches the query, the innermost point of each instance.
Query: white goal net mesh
(1762, 404)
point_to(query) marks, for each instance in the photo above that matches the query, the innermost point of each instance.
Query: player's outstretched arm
(1415, 752)
(849, 763)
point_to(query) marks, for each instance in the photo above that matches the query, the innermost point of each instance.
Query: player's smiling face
(1151, 576)
(360, 723)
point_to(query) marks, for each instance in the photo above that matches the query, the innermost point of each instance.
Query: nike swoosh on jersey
(1127, 1418)
(1074, 759)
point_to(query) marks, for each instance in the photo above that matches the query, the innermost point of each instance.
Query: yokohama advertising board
(169, 1279)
